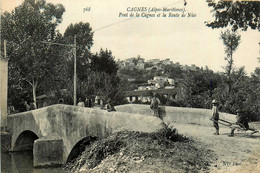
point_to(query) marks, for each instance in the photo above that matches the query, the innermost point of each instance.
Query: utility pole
(74, 46)
(5, 49)
(75, 71)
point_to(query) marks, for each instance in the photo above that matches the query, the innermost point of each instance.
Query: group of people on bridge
(98, 103)
(22, 107)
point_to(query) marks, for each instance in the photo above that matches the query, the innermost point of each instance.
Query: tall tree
(24, 28)
(84, 41)
(231, 41)
(238, 14)
(104, 62)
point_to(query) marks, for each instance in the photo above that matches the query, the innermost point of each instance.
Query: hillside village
(152, 76)
(161, 78)
(141, 64)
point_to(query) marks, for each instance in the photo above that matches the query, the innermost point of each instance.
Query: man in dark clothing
(215, 116)
(109, 106)
(155, 105)
(242, 121)
(88, 102)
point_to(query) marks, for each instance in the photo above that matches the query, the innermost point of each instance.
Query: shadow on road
(243, 135)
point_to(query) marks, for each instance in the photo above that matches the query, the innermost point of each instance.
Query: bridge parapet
(177, 114)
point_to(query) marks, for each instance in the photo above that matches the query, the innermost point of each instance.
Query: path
(240, 153)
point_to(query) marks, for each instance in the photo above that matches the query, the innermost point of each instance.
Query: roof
(44, 96)
(148, 92)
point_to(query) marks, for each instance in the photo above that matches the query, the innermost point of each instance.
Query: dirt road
(240, 153)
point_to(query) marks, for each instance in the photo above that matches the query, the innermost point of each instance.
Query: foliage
(101, 84)
(83, 33)
(84, 41)
(29, 60)
(197, 88)
(173, 72)
(104, 61)
(96, 77)
(231, 41)
(238, 14)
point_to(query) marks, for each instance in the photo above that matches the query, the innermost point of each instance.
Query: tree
(104, 62)
(231, 41)
(238, 14)
(84, 41)
(104, 85)
(24, 28)
(84, 33)
(197, 87)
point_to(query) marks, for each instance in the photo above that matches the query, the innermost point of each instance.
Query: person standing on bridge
(215, 116)
(81, 103)
(155, 105)
(109, 106)
(27, 107)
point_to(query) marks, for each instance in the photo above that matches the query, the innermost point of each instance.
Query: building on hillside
(185, 68)
(166, 61)
(131, 79)
(151, 88)
(159, 84)
(141, 88)
(146, 95)
(160, 78)
(194, 67)
(169, 87)
(140, 64)
(151, 68)
(171, 81)
(129, 60)
(177, 64)
(151, 82)
(153, 61)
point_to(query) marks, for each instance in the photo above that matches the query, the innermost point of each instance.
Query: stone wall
(177, 114)
(3, 92)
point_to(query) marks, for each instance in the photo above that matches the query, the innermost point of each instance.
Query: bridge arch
(79, 147)
(25, 141)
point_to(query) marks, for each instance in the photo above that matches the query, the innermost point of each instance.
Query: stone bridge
(54, 132)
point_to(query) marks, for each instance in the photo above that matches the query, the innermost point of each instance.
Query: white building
(153, 61)
(166, 61)
(140, 65)
(160, 78)
(171, 81)
(141, 88)
(159, 84)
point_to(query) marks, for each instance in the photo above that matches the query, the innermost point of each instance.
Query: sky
(181, 39)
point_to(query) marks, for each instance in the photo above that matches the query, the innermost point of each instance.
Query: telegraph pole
(75, 71)
(74, 46)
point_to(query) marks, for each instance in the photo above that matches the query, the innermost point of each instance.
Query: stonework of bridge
(52, 132)
(181, 115)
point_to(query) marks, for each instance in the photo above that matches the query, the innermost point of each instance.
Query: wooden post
(75, 72)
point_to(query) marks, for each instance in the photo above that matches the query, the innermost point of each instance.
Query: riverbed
(22, 162)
